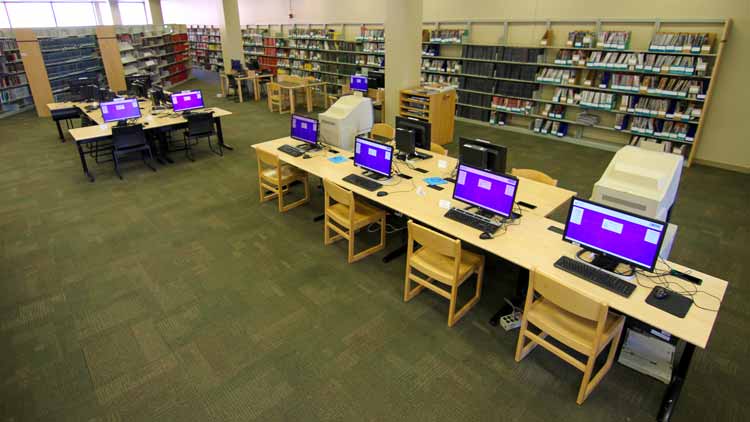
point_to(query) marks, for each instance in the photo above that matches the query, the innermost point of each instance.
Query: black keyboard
(363, 182)
(478, 222)
(596, 276)
(294, 152)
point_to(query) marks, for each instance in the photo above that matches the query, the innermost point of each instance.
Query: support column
(116, 19)
(231, 33)
(403, 51)
(156, 16)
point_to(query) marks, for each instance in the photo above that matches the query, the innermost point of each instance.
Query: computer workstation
(412, 134)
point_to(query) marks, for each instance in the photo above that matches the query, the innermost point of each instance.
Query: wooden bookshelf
(436, 107)
(205, 47)
(15, 95)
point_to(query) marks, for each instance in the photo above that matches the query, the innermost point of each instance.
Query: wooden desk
(161, 120)
(530, 245)
(291, 86)
(256, 84)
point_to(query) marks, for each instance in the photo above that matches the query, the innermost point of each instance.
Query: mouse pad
(674, 304)
(337, 159)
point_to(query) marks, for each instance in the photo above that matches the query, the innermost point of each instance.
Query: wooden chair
(277, 97)
(346, 216)
(441, 259)
(275, 178)
(581, 323)
(438, 149)
(534, 175)
(383, 129)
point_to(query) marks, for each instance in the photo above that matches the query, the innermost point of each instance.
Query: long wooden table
(529, 244)
(158, 120)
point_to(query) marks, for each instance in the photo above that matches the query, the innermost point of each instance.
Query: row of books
(557, 76)
(551, 127)
(684, 42)
(556, 111)
(371, 34)
(472, 113)
(619, 40)
(452, 36)
(8, 44)
(450, 66)
(660, 107)
(511, 54)
(443, 79)
(595, 99)
(659, 145)
(498, 118)
(661, 128)
(646, 62)
(309, 33)
(581, 39)
(430, 50)
(513, 105)
(13, 94)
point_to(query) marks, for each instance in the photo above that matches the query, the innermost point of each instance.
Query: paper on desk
(435, 181)
(337, 159)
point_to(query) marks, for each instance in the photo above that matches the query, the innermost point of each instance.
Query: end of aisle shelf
(205, 47)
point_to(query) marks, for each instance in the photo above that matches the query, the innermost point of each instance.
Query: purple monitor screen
(304, 129)
(487, 190)
(358, 83)
(120, 110)
(373, 156)
(625, 236)
(189, 100)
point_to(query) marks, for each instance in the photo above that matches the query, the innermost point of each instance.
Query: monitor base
(374, 176)
(309, 147)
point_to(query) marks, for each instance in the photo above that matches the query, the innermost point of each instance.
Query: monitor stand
(308, 147)
(489, 214)
(402, 156)
(605, 263)
(121, 123)
(374, 176)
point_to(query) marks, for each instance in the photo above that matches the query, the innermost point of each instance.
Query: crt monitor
(614, 235)
(482, 154)
(304, 129)
(422, 130)
(116, 111)
(358, 83)
(187, 100)
(375, 79)
(485, 189)
(373, 156)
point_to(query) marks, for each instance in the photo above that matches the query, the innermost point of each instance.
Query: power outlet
(511, 321)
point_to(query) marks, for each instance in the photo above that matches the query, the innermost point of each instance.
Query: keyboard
(470, 219)
(596, 276)
(294, 152)
(363, 182)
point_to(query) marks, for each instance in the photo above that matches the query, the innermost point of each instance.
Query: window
(133, 13)
(31, 15)
(4, 22)
(74, 14)
(52, 13)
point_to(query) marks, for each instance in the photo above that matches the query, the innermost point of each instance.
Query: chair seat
(574, 331)
(288, 174)
(363, 214)
(440, 267)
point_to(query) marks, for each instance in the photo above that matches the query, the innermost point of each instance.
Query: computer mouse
(306, 156)
(660, 292)
(485, 236)
(382, 193)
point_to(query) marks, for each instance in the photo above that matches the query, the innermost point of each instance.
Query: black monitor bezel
(421, 125)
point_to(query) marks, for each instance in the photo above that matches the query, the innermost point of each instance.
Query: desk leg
(239, 87)
(85, 167)
(256, 89)
(308, 97)
(518, 296)
(291, 101)
(221, 83)
(60, 131)
(669, 401)
(220, 134)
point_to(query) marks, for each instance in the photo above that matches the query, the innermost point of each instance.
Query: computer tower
(474, 156)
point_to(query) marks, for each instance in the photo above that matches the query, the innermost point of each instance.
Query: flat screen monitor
(486, 189)
(422, 130)
(304, 129)
(405, 141)
(614, 233)
(358, 83)
(375, 79)
(187, 100)
(373, 156)
(482, 154)
(116, 111)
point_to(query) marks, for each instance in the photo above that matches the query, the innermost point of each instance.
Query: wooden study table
(292, 85)
(100, 131)
(529, 244)
(224, 78)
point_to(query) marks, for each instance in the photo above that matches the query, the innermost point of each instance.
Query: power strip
(511, 321)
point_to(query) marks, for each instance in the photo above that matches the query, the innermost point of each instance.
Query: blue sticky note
(337, 159)
(435, 181)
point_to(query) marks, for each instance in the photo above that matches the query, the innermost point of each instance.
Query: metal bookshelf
(15, 96)
(68, 57)
(158, 51)
(205, 47)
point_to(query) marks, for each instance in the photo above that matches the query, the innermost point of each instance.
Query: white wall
(311, 11)
(191, 12)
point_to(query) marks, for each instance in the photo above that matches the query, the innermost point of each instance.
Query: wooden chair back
(266, 159)
(340, 195)
(434, 241)
(383, 129)
(438, 149)
(274, 90)
(535, 175)
(565, 298)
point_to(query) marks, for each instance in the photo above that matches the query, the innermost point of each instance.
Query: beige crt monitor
(348, 117)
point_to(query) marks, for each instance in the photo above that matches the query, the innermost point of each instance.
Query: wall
(191, 12)
(724, 142)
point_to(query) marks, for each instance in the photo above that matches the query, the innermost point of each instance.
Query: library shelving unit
(68, 57)
(205, 47)
(15, 95)
(436, 106)
(604, 83)
(320, 51)
(159, 51)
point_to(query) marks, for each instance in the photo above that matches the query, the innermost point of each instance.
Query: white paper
(445, 204)
(442, 164)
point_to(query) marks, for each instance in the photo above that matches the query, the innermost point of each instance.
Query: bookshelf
(205, 47)
(159, 51)
(15, 96)
(608, 85)
(436, 106)
(70, 56)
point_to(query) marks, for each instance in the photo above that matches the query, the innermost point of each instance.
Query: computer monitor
(373, 156)
(120, 111)
(405, 143)
(187, 100)
(304, 129)
(75, 85)
(422, 130)
(358, 83)
(481, 153)
(236, 65)
(253, 64)
(490, 191)
(158, 96)
(89, 93)
(375, 79)
(614, 235)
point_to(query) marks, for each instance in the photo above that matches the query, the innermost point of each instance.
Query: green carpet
(176, 296)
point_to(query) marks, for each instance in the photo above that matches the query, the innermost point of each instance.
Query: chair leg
(583, 390)
(410, 293)
(350, 249)
(607, 366)
(117, 165)
(521, 340)
(452, 306)
(148, 163)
